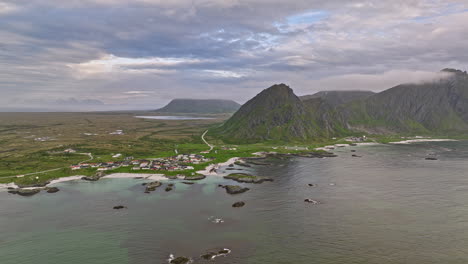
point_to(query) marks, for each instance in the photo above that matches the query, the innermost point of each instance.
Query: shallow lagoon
(390, 206)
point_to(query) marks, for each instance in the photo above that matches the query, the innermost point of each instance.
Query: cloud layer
(142, 53)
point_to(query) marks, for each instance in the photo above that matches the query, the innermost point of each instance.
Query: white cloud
(372, 82)
(7, 8)
(224, 74)
(112, 64)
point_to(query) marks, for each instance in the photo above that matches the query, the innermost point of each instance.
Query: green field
(33, 143)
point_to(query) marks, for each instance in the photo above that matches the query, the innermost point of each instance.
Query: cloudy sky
(139, 54)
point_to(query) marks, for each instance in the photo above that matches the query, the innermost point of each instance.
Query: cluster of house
(356, 139)
(174, 163)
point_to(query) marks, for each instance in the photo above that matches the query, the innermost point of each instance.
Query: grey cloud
(179, 48)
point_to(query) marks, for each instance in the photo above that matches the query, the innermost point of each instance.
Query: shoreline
(333, 147)
(210, 170)
(118, 175)
(409, 141)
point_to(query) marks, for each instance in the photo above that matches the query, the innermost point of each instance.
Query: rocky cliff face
(213, 106)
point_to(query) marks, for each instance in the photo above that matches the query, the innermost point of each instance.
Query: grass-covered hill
(436, 107)
(335, 98)
(277, 114)
(198, 106)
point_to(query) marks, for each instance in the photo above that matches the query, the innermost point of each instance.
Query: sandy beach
(208, 170)
(409, 141)
(148, 176)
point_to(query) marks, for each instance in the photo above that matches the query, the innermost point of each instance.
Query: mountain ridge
(200, 106)
(276, 113)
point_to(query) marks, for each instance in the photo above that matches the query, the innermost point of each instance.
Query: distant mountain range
(277, 114)
(195, 106)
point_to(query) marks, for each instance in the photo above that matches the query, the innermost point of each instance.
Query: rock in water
(118, 207)
(152, 186)
(238, 204)
(431, 158)
(243, 177)
(235, 189)
(180, 260)
(168, 189)
(195, 177)
(25, 192)
(95, 177)
(52, 189)
(311, 201)
(213, 254)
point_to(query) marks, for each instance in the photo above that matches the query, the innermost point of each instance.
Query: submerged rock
(356, 156)
(239, 163)
(168, 189)
(235, 189)
(238, 204)
(312, 185)
(431, 158)
(95, 177)
(35, 185)
(25, 192)
(52, 189)
(152, 186)
(311, 201)
(215, 253)
(188, 183)
(247, 178)
(118, 207)
(180, 260)
(194, 177)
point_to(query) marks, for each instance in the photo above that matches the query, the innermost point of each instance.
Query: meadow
(34, 142)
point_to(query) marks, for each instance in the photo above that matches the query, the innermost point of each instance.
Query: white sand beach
(409, 141)
(208, 171)
(155, 177)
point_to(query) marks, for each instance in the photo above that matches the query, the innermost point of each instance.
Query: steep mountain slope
(274, 114)
(433, 108)
(437, 107)
(335, 98)
(213, 106)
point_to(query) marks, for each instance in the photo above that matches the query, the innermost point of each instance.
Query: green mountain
(435, 107)
(275, 114)
(335, 98)
(195, 106)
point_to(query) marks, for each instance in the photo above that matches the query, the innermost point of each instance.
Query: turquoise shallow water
(390, 206)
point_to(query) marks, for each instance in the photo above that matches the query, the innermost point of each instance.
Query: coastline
(146, 176)
(409, 141)
(210, 170)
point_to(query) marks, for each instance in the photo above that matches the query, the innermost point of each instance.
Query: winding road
(206, 142)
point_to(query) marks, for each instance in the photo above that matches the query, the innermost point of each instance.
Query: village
(175, 163)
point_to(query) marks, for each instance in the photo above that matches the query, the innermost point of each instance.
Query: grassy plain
(33, 142)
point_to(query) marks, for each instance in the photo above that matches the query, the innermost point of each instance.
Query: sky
(139, 54)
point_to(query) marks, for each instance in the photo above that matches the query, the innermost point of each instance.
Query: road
(206, 142)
